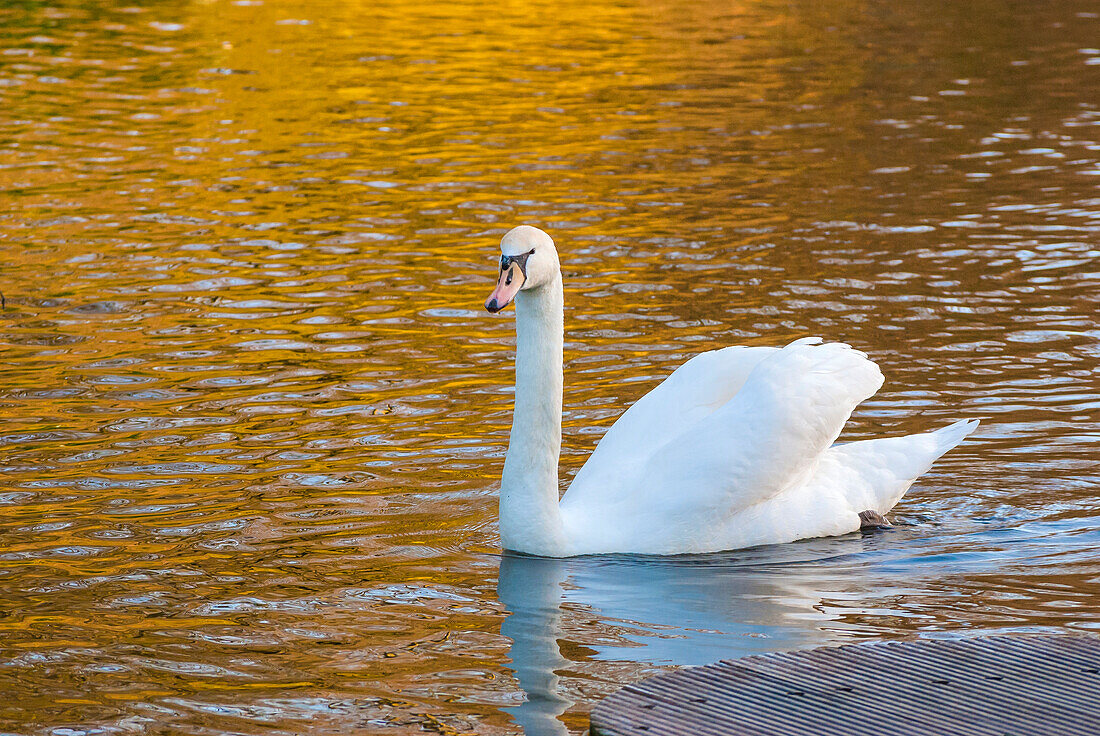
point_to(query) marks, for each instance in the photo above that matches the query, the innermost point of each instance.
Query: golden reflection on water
(253, 416)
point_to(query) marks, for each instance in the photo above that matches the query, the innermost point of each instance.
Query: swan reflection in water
(685, 610)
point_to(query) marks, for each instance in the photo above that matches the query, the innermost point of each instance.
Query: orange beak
(508, 285)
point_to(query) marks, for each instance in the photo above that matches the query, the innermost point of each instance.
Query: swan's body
(734, 449)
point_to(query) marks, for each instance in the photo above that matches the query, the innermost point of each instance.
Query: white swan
(734, 449)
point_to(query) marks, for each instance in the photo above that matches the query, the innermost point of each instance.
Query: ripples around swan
(253, 416)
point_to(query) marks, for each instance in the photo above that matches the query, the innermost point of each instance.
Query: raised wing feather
(695, 389)
(791, 409)
(766, 438)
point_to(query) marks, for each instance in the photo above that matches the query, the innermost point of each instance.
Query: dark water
(253, 416)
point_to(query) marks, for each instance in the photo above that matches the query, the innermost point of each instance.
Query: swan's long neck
(530, 520)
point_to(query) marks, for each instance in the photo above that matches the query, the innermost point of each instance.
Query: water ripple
(254, 415)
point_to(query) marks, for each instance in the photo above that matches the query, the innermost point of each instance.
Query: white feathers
(697, 466)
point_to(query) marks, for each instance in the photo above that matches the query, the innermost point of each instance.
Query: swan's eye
(520, 260)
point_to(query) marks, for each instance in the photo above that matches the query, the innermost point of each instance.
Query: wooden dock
(1007, 685)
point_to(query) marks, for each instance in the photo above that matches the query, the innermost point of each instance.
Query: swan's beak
(508, 285)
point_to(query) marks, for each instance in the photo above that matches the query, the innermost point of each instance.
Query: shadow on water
(698, 609)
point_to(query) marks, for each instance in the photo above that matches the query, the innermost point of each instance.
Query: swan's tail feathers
(877, 473)
(953, 434)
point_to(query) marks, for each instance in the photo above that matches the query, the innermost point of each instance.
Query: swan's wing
(771, 434)
(692, 391)
(768, 437)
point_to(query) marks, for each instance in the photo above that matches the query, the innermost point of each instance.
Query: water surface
(253, 415)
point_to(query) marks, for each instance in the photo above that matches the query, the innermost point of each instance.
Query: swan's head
(528, 260)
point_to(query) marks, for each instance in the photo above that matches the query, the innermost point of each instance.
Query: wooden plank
(1006, 685)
